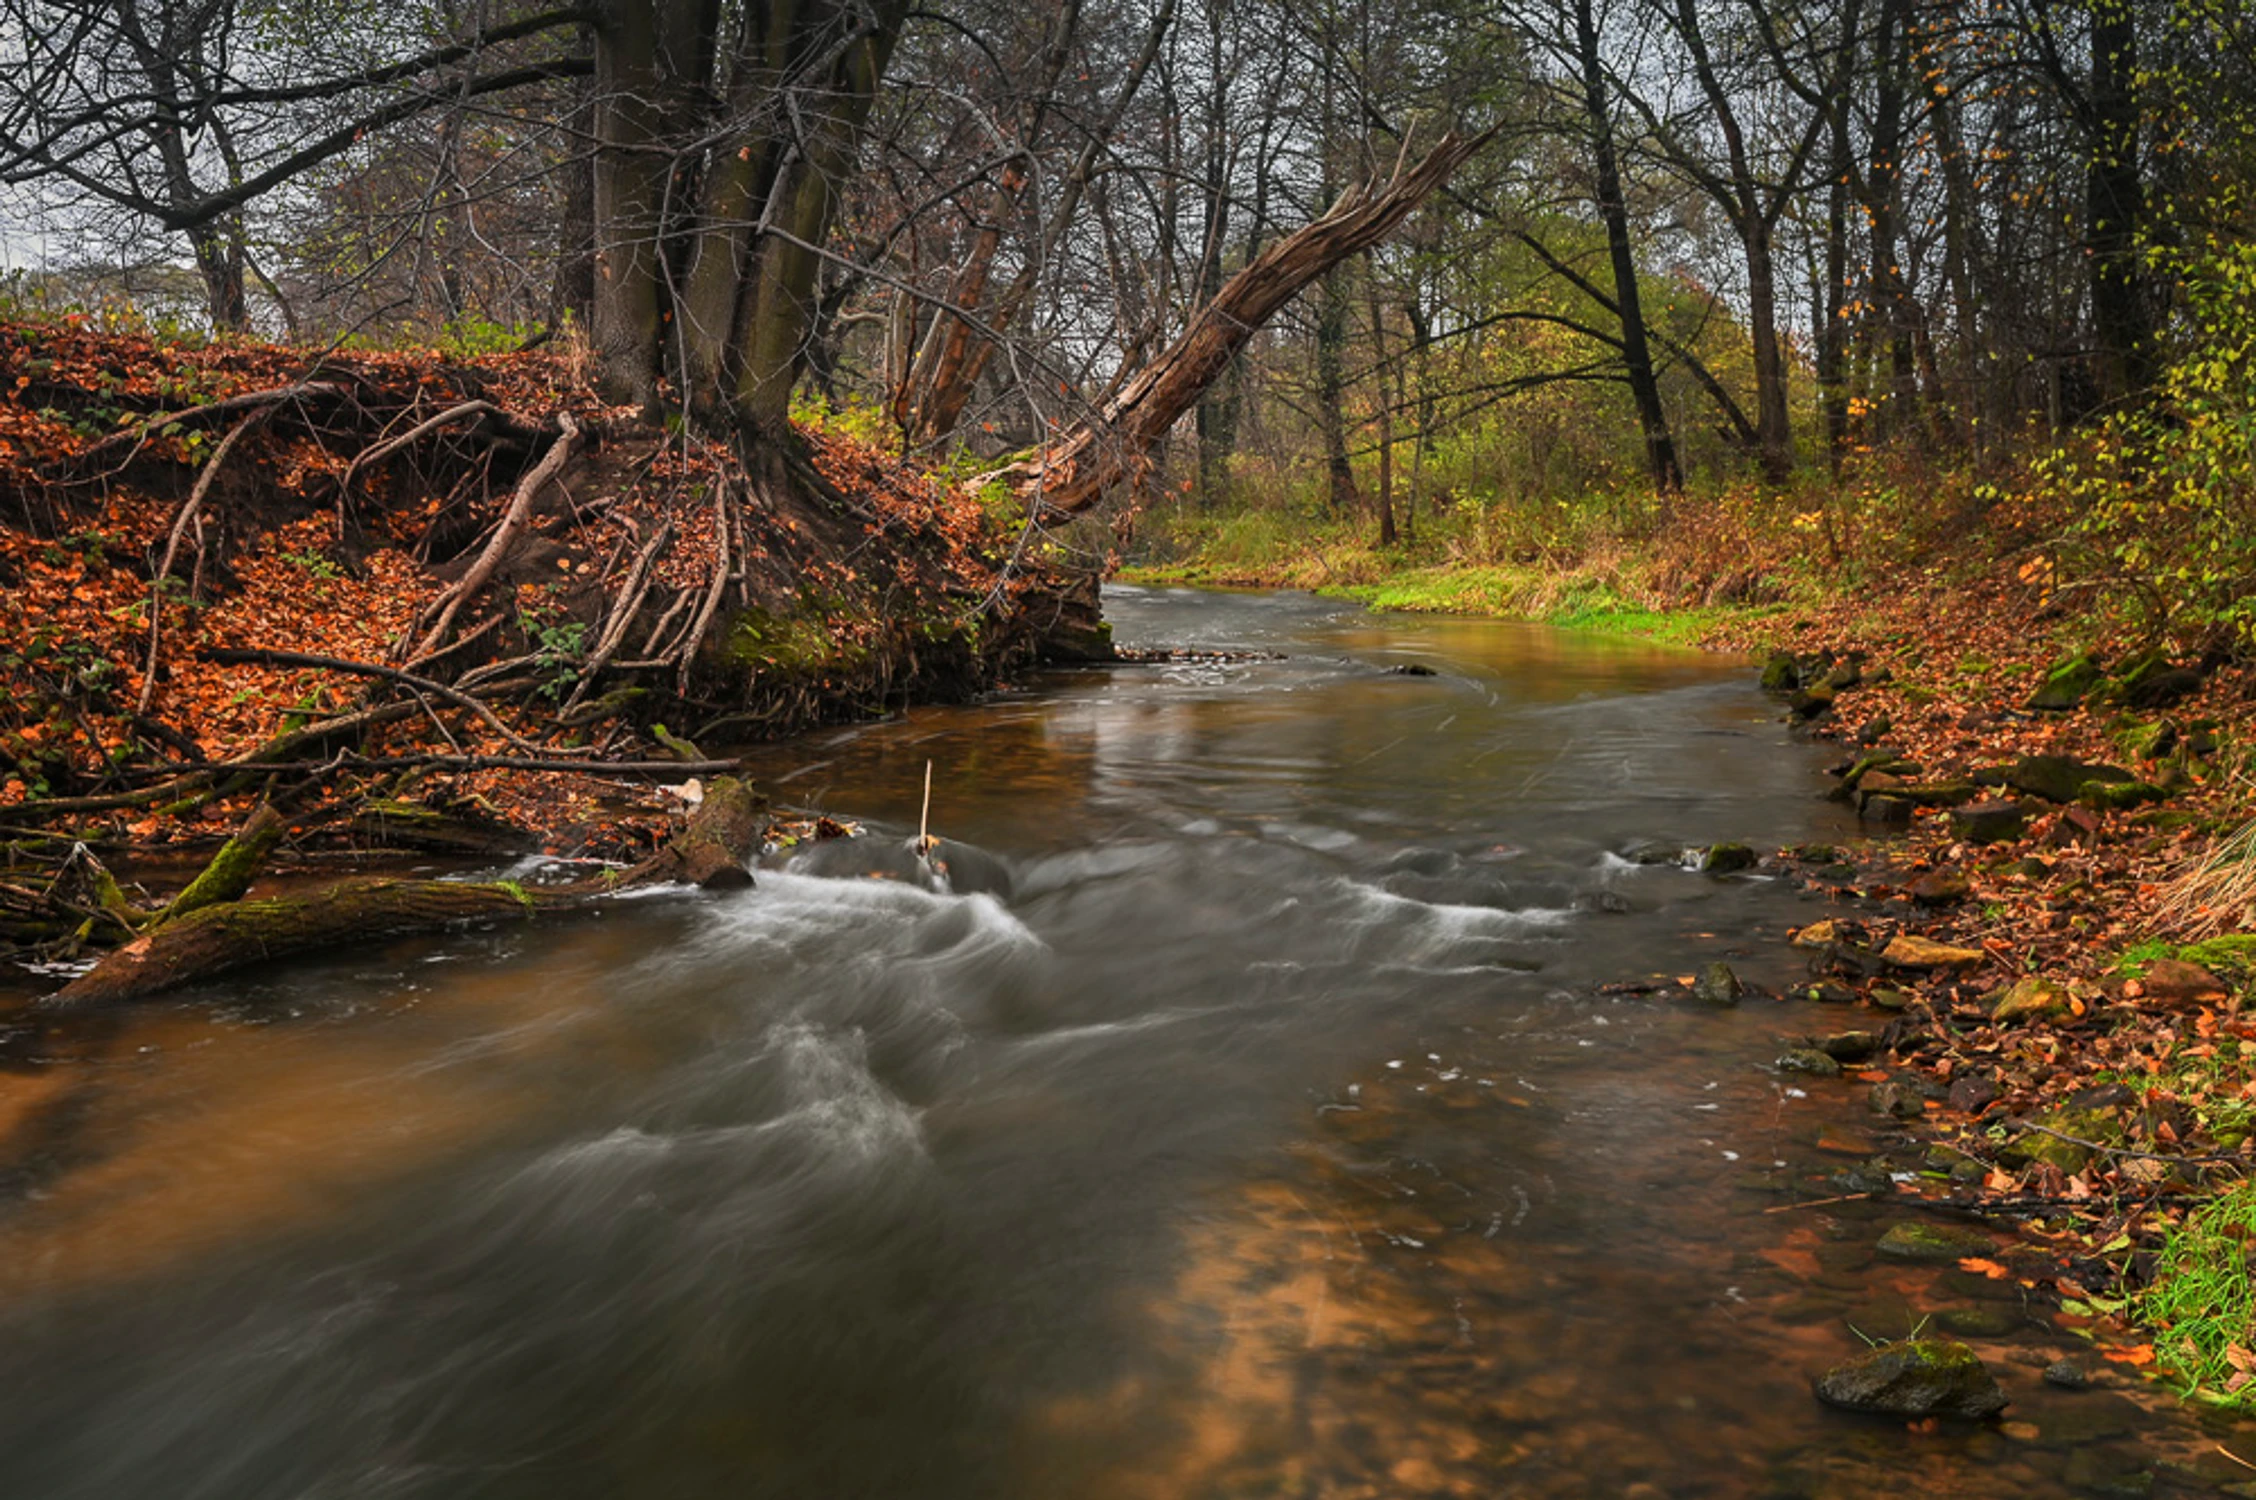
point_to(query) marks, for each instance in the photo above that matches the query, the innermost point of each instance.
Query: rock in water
(1942, 1244)
(1717, 985)
(1916, 1378)
(1725, 859)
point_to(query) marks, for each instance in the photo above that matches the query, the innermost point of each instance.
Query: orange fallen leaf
(2139, 1355)
(1985, 1267)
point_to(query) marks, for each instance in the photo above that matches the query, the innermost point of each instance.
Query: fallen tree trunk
(1113, 447)
(236, 934)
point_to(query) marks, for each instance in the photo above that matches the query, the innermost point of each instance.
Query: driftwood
(1112, 448)
(236, 934)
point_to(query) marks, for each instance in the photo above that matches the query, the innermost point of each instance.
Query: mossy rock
(2067, 683)
(2118, 796)
(2032, 998)
(1808, 1060)
(1717, 985)
(2059, 778)
(1933, 1244)
(1782, 673)
(1915, 1378)
(1726, 859)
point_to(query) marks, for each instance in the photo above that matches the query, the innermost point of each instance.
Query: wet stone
(2068, 1375)
(1897, 1100)
(1914, 1378)
(1808, 1060)
(1717, 985)
(1850, 1046)
(1726, 859)
(1971, 1093)
(1943, 1244)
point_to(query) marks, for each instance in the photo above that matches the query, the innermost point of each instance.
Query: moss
(798, 644)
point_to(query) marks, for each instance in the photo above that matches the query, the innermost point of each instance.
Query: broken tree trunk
(235, 934)
(1112, 448)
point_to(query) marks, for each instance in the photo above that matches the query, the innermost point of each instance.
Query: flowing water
(1243, 1117)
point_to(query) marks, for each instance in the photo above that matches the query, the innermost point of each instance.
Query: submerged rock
(1916, 1378)
(1896, 1099)
(1938, 1244)
(1808, 1060)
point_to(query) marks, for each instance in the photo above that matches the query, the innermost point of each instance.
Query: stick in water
(925, 842)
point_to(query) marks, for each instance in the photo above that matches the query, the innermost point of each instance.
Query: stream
(1245, 1118)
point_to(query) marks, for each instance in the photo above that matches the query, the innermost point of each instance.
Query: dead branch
(378, 452)
(235, 934)
(614, 632)
(248, 656)
(1074, 472)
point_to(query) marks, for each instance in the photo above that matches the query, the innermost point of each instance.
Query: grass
(2200, 1301)
(1604, 590)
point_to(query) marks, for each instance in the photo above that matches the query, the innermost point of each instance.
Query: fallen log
(1113, 447)
(236, 934)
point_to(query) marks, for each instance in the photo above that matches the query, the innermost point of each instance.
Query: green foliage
(2200, 1302)
(560, 644)
(2164, 494)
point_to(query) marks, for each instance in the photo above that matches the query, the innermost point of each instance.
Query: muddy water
(1244, 1120)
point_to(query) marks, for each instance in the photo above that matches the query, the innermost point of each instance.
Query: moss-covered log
(236, 933)
(391, 823)
(234, 867)
(709, 852)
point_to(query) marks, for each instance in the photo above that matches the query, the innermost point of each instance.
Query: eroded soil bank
(452, 608)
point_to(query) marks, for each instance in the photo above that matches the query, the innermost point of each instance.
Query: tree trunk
(2117, 205)
(1637, 355)
(1113, 448)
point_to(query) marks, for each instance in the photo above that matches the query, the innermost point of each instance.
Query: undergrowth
(2200, 1300)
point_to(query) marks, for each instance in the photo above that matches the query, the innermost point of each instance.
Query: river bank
(367, 606)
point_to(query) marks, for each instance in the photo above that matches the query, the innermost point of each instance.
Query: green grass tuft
(2200, 1301)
